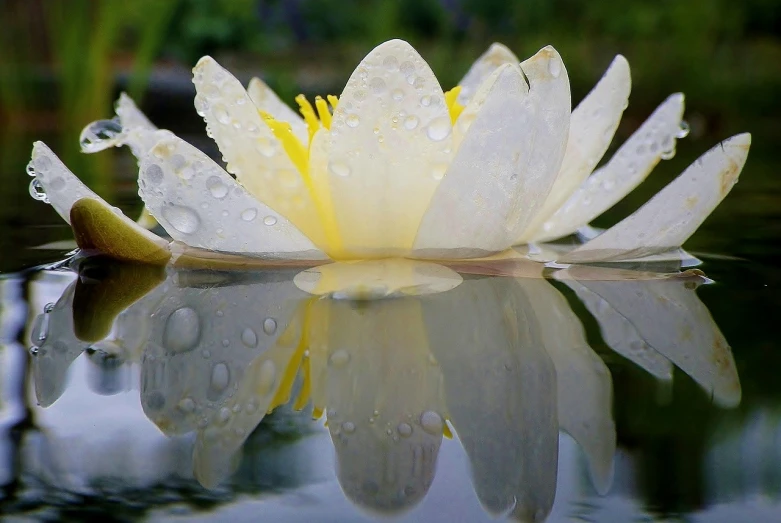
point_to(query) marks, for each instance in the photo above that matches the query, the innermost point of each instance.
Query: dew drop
(42, 163)
(410, 122)
(267, 375)
(266, 147)
(182, 330)
(419, 82)
(668, 154)
(431, 422)
(339, 168)
(683, 129)
(249, 338)
(181, 218)
(154, 174)
(377, 85)
(100, 135)
(438, 129)
(554, 67)
(220, 377)
(391, 63)
(30, 169)
(269, 326)
(221, 113)
(425, 101)
(37, 191)
(407, 68)
(186, 405)
(397, 95)
(269, 220)
(348, 427)
(201, 105)
(249, 214)
(57, 184)
(352, 120)
(224, 415)
(217, 189)
(340, 358)
(404, 430)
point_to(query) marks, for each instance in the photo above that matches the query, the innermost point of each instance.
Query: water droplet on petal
(340, 358)
(407, 68)
(224, 415)
(220, 377)
(431, 422)
(425, 101)
(683, 130)
(397, 95)
(249, 214)
(269, 326)
(554, 67)
(608, 184)
(57, 184)
(266, 147)
(391, 63)
(217, 189)
(339, 168)
(377, 85)
(348, 427)
(269, 220)
(42, 163)
(154, 174)
(267, 375)
(37, 191)
(404, 430)
(181, 218)
(410, 122)
(182, 330)
(30, 169)
(221, 113)
(186, 405)
(439, 129)
(249, 338)
(100, 135)
(352, 120)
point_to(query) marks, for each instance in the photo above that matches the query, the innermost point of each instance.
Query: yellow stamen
(333, 100)
(298, 154)
(323, 112)
(312, 123)
(446, 431)
(317, 413)
(451, 99)
(288, 378)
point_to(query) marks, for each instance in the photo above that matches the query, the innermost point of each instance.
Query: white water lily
(397, 167)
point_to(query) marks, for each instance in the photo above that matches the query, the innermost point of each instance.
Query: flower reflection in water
(395, 355)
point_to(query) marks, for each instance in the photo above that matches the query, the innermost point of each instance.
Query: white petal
(266, 100)
(671, 319)
(200, 205)
(621, 335)
(130, 115)
(472, 209)
(251, 150)
(593, 123)
(583, 382)
(549, 93)
(63, 189)
(672, 215)
(391, 144)
(496, 56)
(629, 166)
(507, 425)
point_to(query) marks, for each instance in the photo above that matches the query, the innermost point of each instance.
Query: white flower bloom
(397, 167)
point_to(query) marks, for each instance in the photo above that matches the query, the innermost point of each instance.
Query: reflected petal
(671, 319)
(674, 213)
(385, 413)
(485, 332)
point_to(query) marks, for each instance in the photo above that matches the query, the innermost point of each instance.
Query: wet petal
(391, 143)
(496, 56)
(266, 100)
(549, 93)
(583, 382)
(628, 167)
(672, 215)
(671, 319)
(508, 424)
(200, 205)
(252, 151)
(476, 205)
(593, 123)
(97, 224)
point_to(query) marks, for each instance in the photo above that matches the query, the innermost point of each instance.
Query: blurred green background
(63, 62)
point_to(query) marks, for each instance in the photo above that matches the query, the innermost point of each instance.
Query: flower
(502, 362)
(395, 167)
